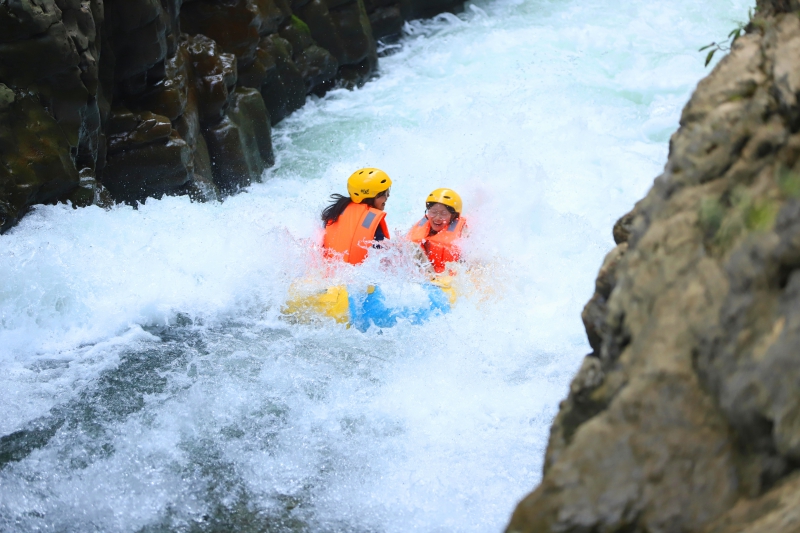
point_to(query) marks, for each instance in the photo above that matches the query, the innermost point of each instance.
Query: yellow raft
(362, 309)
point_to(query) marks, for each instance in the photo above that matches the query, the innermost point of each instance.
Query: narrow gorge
(151, 381)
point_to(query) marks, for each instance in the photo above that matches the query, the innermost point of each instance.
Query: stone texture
(162, 82)
(344, 31)
(137, 33)
(245, 134)
(35, 163)
(316, 65)
(234, 26)
(146, 157)
(214, 74)
(386, 21)
(776, 511)
(686, 416)
(284, 90)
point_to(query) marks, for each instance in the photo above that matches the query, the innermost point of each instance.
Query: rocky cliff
(120, 100)
(686, 415)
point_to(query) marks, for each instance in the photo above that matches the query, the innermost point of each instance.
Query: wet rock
(88, 192)
(316, 65)
(146, 157)
(344, 31)
(171, 71)
(285, 90)
(386, 21)
(167, 96)
(127, 129)
(262, 71)
(25, 19)
(51, 50)
(201, 187)
(215, 76)
(148, 171)
(172, 10)
(35, 163)
(234, 26)
(430, 8)
(137, 32)
(240, 146)
(686, 417)
(272, 13)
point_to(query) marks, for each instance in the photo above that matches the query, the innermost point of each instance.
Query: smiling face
(439, 217)
(380, 200)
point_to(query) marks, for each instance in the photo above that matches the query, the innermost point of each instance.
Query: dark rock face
(124, 100)
(686, 415)
(35, 163)
(240, 144)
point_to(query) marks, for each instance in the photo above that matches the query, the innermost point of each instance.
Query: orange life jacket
(350, 235)
(439, 248)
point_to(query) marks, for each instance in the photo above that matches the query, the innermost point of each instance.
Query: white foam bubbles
(146, 342)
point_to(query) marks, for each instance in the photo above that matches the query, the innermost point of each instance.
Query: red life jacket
(350, 235)
(439, 248)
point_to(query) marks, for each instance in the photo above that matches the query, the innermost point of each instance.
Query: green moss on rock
(35, 163)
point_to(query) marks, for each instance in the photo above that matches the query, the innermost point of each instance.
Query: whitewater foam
(153, 383)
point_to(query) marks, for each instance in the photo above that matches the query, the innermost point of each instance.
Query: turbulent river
(150, 383)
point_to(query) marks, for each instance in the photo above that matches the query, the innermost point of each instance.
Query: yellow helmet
(367, 183)
(447, 197)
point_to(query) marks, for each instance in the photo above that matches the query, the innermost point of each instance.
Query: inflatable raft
(363, 308)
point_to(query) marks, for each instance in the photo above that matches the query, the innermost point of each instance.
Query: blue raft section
(371, 309)
(368, 306)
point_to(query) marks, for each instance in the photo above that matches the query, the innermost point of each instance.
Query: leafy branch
(727, 44)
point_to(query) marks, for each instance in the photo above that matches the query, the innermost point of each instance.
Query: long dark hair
(332, 213)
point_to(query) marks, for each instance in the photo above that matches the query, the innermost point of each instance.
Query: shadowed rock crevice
(686, 415)
(121, 101)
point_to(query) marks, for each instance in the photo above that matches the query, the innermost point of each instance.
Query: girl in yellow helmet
(353, 222)
(440, 228)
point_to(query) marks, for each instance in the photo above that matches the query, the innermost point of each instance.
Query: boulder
(234, 26)
(285, 89)
(316, 65)
(201, 186)
(685, 417)
(137, 31)
(35, 163)
(344, 30)
(146, 157)
(51, 49)
(386, 21)
(215, 76)
(240, 145)
(167, 96)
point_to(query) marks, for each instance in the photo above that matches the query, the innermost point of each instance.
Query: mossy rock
(35, 165)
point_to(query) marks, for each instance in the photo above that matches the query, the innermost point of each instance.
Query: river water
(149, 382)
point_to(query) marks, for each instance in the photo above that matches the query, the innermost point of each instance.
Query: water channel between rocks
(150, 384)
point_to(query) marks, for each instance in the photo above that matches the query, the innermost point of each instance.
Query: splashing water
(150, 384)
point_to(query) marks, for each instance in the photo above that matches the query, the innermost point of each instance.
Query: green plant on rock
(727, 44)
(731, 226)
(299, 25)
(723, 220)
(759, 215)
(711, 214)
(788, 181)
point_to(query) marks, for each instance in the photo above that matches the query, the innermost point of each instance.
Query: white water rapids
(149, 383)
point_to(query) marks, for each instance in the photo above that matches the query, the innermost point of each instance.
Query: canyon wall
(686, 415)
(106, 101)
